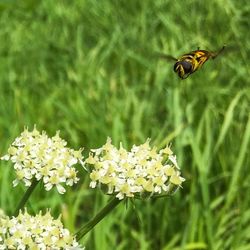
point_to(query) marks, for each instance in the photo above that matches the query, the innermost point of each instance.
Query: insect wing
(166, 57)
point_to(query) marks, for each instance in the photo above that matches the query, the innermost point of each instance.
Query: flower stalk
(26, 196)
(95, 220)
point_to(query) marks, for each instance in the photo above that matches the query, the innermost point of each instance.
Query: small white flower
(127, 173)
(36, 156)
(172, 158)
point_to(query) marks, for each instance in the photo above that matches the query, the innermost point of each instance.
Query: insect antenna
(215, 54)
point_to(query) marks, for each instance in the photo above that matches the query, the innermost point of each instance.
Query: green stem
(105, 211)
(26, 196)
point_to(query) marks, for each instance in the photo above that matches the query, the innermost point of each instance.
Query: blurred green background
(88, 68)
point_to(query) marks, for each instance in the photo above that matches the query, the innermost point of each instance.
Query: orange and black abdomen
(199, 58)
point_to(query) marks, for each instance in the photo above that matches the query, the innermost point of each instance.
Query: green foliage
(88, 68)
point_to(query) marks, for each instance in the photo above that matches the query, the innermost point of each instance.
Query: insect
(188, 63)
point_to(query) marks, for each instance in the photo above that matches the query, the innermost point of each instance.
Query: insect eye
(187, 66)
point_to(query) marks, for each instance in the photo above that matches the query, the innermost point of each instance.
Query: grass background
(87, 68)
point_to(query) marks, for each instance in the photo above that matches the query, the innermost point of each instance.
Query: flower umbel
(35, 233)
(142, 170)
(35, 155)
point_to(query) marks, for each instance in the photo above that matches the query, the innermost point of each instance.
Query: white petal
(5, 158)
(60, 189)
(15, 182)
(92, 184)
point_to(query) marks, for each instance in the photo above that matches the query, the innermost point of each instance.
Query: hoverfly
(188, 63)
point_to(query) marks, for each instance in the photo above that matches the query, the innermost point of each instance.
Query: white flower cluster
(35, 155)
(40, 232)
(142, 170)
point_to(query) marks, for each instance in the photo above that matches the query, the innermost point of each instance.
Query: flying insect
(188, 63)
